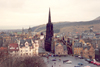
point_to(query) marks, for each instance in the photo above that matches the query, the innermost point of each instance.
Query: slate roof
(84, 47)
(64, 46)
(88, 47)
(77, 44)
(22, 42)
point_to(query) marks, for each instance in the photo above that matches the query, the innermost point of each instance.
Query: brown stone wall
(85, 53)
(78, 51)
(59, 50)
(92, 52)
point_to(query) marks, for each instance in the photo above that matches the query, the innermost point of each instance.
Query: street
(74, 60)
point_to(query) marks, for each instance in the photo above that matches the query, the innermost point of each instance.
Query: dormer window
(12, 47)
(21, 44)
(26, 46)
(26, 43)
(16, 47)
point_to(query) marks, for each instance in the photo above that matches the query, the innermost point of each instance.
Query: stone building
(84, 49)
(49, 34)
(89, 51)
(77, 48)
(60, 48)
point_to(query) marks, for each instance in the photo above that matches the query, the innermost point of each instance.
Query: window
(26, 50)
(26, 53)
(12, 48)
(26, 46)
(16, 47)
(58, 52)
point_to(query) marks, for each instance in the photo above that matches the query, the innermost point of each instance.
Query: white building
(28, 47)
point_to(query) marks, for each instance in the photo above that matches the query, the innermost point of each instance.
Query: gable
(81, 41)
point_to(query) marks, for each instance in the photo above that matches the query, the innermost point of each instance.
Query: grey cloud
(11, 3)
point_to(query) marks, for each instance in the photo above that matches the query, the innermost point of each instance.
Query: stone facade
(60, 49)
(49, 34)
(84, 49)
(77, 51)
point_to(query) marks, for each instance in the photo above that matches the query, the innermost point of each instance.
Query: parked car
(55, 55)
(89, 60)
(53, 59)
(76, 55)
(44, 55)
(49, 54)
(87, 66)
(85, 59)
(94, 61)
(60, 60)
(80, 57)
(52, 56)
(77, 66)
(68, 62)
(65, 61)
(97, 63)
(80, 64)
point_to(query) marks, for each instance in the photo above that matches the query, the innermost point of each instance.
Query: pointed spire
(49, 18)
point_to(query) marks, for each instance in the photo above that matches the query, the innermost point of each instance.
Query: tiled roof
(3, 48)
(13, 47)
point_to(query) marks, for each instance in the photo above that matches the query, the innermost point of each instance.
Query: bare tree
(23, 62)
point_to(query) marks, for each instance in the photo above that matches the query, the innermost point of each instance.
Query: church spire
(49, 18)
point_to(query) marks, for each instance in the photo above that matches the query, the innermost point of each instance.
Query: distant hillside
(98, 18)
(71, 26)
(66, 26)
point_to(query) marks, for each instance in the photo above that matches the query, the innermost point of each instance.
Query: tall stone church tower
(49, 34)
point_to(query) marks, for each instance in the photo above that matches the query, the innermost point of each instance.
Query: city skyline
(24, 14)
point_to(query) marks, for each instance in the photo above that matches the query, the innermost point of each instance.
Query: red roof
(13, 47)
(3, 48)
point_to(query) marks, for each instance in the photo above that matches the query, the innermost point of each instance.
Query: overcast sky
(18, 14)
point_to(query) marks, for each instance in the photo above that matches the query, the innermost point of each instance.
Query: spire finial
(49, 18)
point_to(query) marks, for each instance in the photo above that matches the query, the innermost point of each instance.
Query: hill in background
(60, 27)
